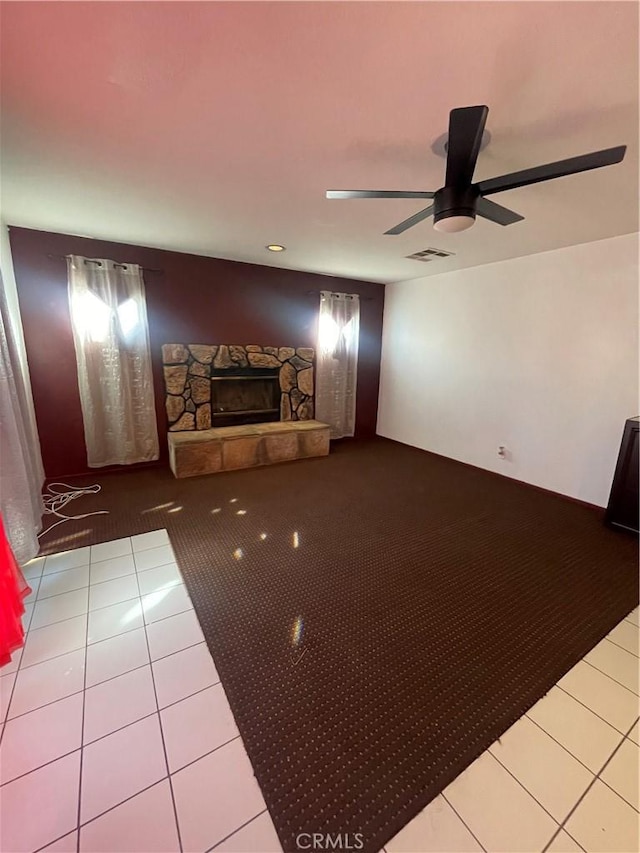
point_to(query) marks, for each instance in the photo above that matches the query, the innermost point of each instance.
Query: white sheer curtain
(21, 471)
(111, 336)
(337, 361)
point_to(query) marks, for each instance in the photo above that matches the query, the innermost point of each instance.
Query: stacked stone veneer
(187, 378)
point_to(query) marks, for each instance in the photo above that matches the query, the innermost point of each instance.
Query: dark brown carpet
(427, 606)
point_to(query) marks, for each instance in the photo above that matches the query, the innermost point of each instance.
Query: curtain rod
(148, 269)
(91, 261)
(362, 298)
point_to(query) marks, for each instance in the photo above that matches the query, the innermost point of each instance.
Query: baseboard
(498, 474)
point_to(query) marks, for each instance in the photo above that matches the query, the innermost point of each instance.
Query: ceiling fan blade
(548, 172)
(466, 126)
(496, 212)
(377, 194)
(412, 220)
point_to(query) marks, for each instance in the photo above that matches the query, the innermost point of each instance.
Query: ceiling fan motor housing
(455, 201)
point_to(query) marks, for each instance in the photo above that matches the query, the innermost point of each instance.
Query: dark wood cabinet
(624, 503)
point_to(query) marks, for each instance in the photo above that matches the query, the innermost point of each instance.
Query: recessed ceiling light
(275, 247)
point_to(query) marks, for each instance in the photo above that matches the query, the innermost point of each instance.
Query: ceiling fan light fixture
(454, 224)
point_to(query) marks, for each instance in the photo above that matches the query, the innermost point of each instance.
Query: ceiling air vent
(427, 255)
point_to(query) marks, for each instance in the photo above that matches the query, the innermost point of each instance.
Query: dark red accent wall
(193, 299)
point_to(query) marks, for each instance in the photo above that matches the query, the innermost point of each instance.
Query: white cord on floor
(54, 501)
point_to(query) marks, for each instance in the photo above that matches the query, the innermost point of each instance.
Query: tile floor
(103, 747)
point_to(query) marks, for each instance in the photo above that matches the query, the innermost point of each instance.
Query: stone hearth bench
(209, 451)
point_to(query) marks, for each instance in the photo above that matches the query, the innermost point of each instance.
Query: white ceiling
(215, 128)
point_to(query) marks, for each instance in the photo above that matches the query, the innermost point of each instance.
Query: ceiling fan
(456, 204)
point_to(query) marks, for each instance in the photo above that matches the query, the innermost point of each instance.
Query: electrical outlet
(502, 451)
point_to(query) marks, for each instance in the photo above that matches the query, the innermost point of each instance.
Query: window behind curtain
(111, 337)
(337, 362)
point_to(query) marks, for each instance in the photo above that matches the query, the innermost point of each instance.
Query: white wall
(539, 354)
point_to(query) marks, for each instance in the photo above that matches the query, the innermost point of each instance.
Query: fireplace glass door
(244, 399)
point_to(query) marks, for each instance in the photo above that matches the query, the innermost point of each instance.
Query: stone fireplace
(212, 385)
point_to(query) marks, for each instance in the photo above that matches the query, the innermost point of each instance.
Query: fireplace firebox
(244, 396)
(224, 385)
